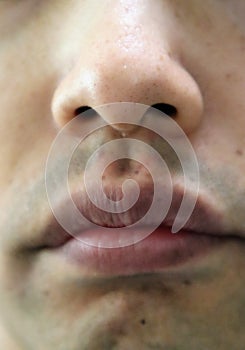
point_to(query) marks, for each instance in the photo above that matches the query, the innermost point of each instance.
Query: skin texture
(56, 56)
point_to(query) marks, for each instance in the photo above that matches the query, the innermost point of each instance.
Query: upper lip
(205, 218)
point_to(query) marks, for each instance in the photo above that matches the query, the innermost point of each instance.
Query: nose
(129, 56)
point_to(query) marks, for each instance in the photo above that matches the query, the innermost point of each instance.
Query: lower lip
(159, 251)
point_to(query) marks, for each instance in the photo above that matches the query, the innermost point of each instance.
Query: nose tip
(148, 76)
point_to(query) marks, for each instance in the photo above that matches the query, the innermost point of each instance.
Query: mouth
(159, 251)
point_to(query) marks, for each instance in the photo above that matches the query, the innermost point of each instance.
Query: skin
(56, 56)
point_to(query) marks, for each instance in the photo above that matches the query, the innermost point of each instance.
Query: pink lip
(159, 251)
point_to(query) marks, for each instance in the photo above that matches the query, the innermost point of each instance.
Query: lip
(159, 251)
(202, 234)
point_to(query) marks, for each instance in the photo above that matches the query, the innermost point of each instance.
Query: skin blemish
(46, 292)
(187, 282)
(228, 76)
(239, 152)
(143, 322)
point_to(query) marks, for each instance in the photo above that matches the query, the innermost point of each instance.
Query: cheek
(25, 111)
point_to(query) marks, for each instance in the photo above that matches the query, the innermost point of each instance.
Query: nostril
(81, 109)
(166, 108)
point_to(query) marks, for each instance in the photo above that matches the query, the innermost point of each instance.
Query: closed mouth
(158, 251)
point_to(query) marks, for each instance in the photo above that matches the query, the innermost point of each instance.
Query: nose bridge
(129, 57)
(124, 56)
(126, 31)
